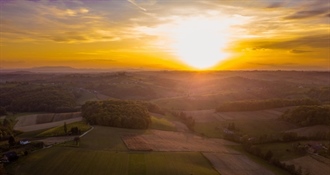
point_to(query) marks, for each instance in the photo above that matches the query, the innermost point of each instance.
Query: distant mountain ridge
(60, 69)
(53, 69)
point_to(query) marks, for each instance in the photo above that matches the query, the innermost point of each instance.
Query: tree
(77, 140)
(3, 111)
(6, 123)
(269, 155)
(65, 128)
(75, 131)
(11, 141)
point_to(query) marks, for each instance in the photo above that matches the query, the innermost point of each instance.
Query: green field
(209, 129)
(107, 138)
(162, 124)
(252, 127)
(103, 152)
(260, 161)
(61, 160)
(58, 131)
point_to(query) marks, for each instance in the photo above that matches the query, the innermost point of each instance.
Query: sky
(166, 34)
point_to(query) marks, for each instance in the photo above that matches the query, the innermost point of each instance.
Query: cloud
(307, 13)
(56, 21)
(320, 41)
(272, 64)
(134, 3)
(297, 51)
(310, 9)
(275, 5)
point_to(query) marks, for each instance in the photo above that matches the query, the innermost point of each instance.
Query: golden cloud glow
(192, 34)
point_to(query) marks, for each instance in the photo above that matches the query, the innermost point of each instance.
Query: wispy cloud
(297, 51)
(310, 9)
(134, 3)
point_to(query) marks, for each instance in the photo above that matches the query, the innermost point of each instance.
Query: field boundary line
(82, 135)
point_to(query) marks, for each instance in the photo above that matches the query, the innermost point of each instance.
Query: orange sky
(161, 34)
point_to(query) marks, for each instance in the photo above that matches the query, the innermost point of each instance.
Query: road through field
(32, 122)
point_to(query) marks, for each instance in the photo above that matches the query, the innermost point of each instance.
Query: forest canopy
(117, 113)
(26, 97)
(308, 115)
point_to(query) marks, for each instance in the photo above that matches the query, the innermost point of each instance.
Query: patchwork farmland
(125, 151)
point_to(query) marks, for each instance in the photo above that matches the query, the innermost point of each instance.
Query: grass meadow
(58, 131)
(103, 152)
(162, 124)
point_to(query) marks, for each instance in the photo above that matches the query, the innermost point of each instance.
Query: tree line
(25, 97)
(189, 121)
(253, 105)
(269, 157)
(151, 107)
(117, 113)
(322, 94)
(308, 115)
(6, 129)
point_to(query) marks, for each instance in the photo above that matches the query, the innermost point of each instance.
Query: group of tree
(151, 107)
(276, 137)
(25, 97)
(6, 128)
(117, 113)
(308, 115)
(186, 119)
(3, 111)
(270, 158)
(253, 105)
(321, 94)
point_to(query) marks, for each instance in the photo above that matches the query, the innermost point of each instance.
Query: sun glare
(200, 42)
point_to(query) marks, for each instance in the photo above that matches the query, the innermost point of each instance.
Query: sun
(200, 41)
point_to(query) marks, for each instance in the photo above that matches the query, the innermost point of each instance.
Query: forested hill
(308, 115)
(117, 113)
(254, 105)
(26, 97)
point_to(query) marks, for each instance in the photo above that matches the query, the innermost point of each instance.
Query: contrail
(134, 3)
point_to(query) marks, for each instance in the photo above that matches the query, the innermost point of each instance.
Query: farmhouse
(24, 142)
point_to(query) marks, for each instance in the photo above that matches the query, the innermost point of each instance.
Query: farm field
(67, 161)
(311, 130)
(229, 164)
(212, 124)
(175, 141)
(312, 164)
(205, 116)
(87, 95)
(168, 146)
(162, 124)
(103, 151)
(59, 130)
(35, 122)
(286, 151)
